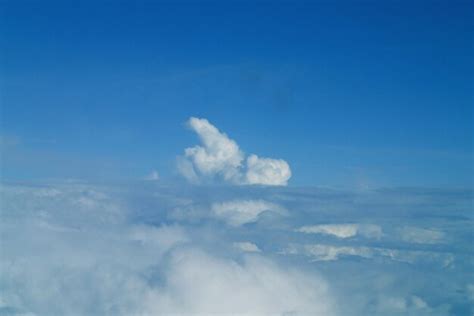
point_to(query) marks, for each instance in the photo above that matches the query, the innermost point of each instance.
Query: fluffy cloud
(195, 282)
(219, 156)
(52, 265)
(124, 249)
(267, 171)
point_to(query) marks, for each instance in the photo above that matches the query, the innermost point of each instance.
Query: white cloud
(324, 252)
(153, 176)
(343, 230)
(329, 253)
(338, 230)
(186, 169)
(267, 171)
(246, 246)
(239, 212)
(198, 283)
(97, 249)
(133, 267)
(219, 156)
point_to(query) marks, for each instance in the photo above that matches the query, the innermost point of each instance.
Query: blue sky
(327, 146)
(349, 94)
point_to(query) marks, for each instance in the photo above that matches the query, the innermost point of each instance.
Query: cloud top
(220, 157)
(267, 171)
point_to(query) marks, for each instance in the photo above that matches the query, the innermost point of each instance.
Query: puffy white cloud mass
(267, 171)
(150, 248)
(219, 156)
(196, 281)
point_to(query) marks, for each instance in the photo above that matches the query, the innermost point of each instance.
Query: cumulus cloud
(267, 171)
(220, 157)
(219, 154)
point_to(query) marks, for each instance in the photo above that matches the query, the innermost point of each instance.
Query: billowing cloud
(198, 283)
(267, 171)
(53, 264)
(219, 156)
(75, 248)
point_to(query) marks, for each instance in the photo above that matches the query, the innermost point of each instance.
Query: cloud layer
(219, 157)
(148, 248)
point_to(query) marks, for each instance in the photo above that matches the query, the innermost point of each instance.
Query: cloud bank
(220, 157)
(149, 248)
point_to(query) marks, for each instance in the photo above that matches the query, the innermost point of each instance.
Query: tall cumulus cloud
(220, 157)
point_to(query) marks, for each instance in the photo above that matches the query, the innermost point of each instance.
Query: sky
(236, 158)
(349, 94)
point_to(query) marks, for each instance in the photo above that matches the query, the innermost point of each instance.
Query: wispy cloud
(239, 212)
(343, 230)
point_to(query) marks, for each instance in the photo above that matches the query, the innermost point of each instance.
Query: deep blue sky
(351, 94)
